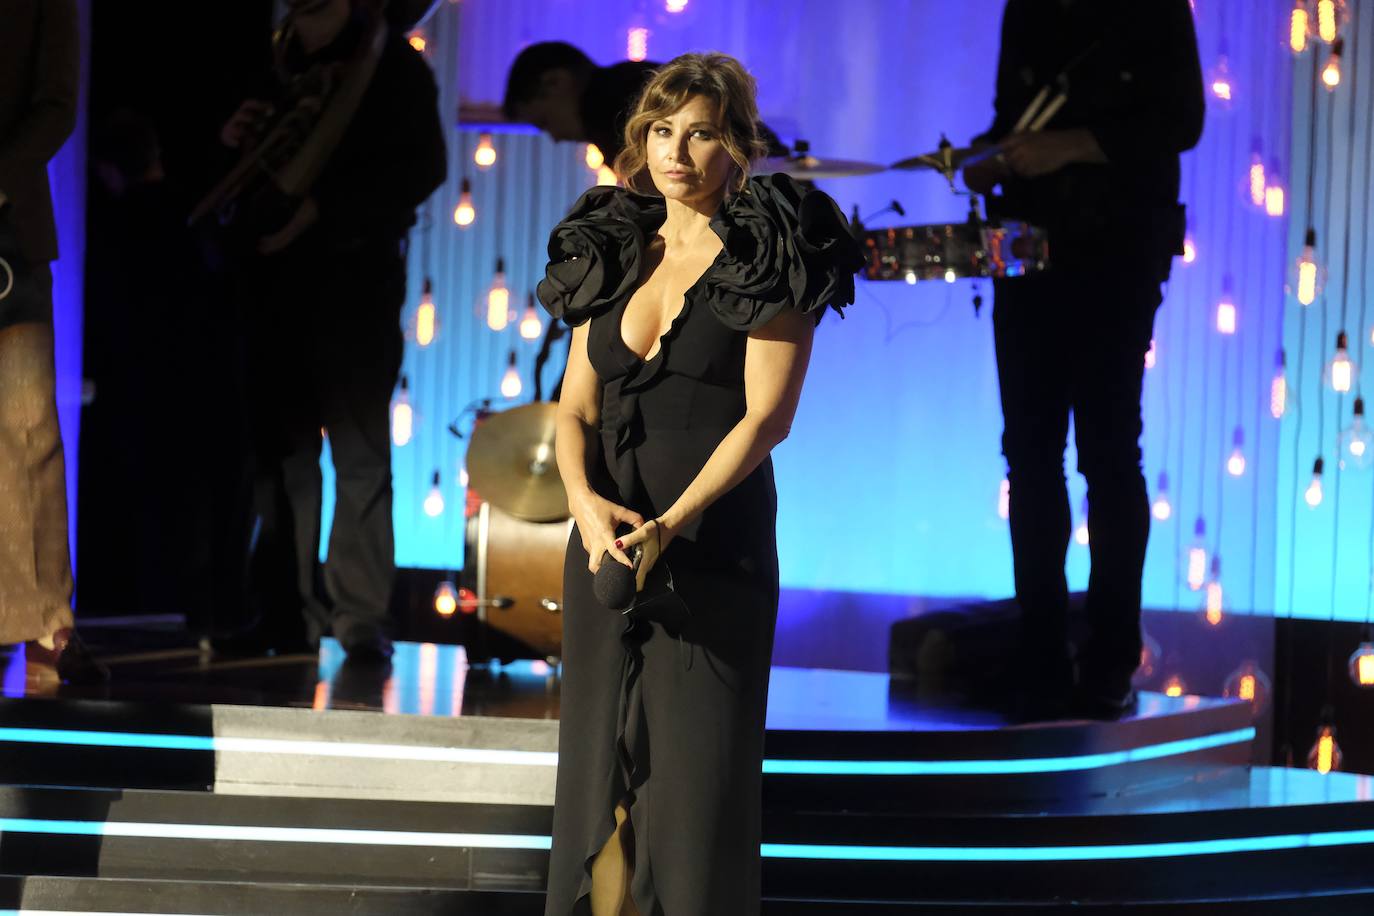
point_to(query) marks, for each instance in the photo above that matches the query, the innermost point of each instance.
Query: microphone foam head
(614, 584)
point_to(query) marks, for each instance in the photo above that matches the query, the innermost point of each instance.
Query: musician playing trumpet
(325, 285)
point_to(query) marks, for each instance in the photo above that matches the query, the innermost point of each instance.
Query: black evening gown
(665, 707)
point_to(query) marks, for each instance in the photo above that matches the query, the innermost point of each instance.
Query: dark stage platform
(300, 785)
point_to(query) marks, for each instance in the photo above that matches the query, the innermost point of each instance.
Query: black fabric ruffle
(785, 245)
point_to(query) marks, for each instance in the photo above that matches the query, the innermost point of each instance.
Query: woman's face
(686, 158)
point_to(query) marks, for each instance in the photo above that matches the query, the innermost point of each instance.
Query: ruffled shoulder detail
(596, 252)
(785, 245)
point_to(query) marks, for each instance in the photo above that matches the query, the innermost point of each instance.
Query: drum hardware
(553, 607)
(803, 166)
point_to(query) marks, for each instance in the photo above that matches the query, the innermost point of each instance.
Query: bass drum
(515, 571)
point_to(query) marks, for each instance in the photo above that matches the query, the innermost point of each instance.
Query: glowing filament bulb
(1174, 686)
(1327, 24)
(595, 159)
(1161, 508)
(446, 599)
(498, 299)
(1313, 496)
(426, 321)
(1235, 465)
(1275, 197)
(434, 502)
(1226, 310)
(606, 176)
(1299, 22)
(530, 325)
(402, 415)
(485, 154)
(1151, 355)
(1197, 557)
(911, 281)
(1340, 372)
(1080, 533)
(464, 214)
(1004, 499)
(1308, 274)
(1325, 756)
(1250, 684)
(1357, 441)
(675, 6)
(1215, 596)
(417, 41)
(1362, 665)
(1221, 81)
(637, 44)
(1278, 388)
(1331, 73)
(1258, 185)
(1189, 250)
(510, 382)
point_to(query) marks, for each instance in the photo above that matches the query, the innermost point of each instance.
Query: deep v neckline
(656, 350)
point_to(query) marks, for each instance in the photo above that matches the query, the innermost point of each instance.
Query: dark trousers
(1075, 342)
(326, 352)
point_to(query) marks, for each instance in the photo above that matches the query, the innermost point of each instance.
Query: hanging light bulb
(464, 214)
(1328, 19)
(637, 43)
(1275, 195)
(1331, 73)
(675, 6)
(402, 415)
(1196, 558)
(510, 382)
(1226, 309)
(1309, 272)
(1220, 82)
(1299, 24)
(446, 599)
(417, 41)
(1080, 534)
(1257, 177)
(606, 176)
(594, 158)
(1362, 664)
(1161, 508)
(1151, 355)
(485, 154)
(1214, 596)
(498, 299)
(1341, 370)
(530, 325)
(434, 502)
(1250, 684)
(1278, 387)
(426, 316)
(1235, 464)
(1174, 686)
(1314, 489)
(1357, 441)
(1004, 499)
(1325, 756)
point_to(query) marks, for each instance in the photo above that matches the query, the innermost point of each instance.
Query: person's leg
(35, 563)
(1117, 320)
(1029, 329)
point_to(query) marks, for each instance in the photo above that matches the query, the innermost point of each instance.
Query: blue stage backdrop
(889, 483)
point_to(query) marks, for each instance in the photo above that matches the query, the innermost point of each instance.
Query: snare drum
(953, 251)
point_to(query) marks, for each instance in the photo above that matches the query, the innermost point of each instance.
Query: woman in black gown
(694, 296)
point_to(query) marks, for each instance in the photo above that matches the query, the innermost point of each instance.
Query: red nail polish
(619, 545)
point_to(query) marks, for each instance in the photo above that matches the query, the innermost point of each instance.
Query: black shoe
(69, 657)
(1043, 692)
(364, 644)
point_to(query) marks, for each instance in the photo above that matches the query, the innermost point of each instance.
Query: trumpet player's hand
(304, 217)
(236, 128)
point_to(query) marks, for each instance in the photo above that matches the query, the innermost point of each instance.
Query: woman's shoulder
(595, 252)
(787, 246)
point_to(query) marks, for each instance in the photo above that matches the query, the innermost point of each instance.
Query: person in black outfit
(325, 293)
(1102, 177)
(558, 89)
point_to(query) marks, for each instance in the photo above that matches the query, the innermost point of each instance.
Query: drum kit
(518, 531)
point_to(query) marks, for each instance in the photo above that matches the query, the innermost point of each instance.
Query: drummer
(1099, 170)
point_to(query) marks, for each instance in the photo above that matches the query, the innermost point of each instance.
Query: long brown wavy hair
(721, 79)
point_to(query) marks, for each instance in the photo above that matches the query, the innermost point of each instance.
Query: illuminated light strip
(1004, 767)
(550, 759)
(348, 837)
(768, 850)
(1068, 853)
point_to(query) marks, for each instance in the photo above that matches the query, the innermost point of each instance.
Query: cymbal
(806, 167)
(511, 463)
(946, 158)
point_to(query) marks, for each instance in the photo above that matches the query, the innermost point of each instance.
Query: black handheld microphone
(614, 583)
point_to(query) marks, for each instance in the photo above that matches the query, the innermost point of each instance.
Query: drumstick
(1050, 111)
(1031, 110)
